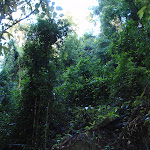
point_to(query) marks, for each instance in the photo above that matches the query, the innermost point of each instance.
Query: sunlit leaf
(53, 3)
(54, 14)
(30, 6)
(3, 38)
(141, 12)
(6, 49)
(138, 1)
(61, 15)
(50, 15)
(92, 123)
(59, 8)
(9, 35)
(23, 9)
(42, 15)
(147, 120)
(51, 8)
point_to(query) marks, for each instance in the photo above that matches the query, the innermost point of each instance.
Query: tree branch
(1, 34)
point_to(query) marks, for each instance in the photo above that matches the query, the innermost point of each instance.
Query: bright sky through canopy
(79, 9)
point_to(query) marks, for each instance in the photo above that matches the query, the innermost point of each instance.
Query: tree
(131, 52)
(25, 9)
(34, 122)
(10, 95)
(70, 50)
(113, 14)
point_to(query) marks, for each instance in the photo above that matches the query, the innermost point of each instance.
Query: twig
(19, 21)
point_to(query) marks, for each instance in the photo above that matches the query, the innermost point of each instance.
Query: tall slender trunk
(34, 122)
(47, 124)
(19, 87)
(37, 142)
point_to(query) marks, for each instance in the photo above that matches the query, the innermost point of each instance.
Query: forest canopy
(57, 87)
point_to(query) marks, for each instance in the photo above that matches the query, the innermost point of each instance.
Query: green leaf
(50, 15)
(2, 28)
(3, 38)
(92, 123)
(43, 7)
(9, 34)
(36, 5)
(21, 2)
(88, 128)
(141, 12)
(42, 15)
(15, 6)
(54, 14)
(101, 116)
(6, 49)
(36, 11)
(0, 48)
(51, 8)
(138, 0)
(6, 8)
(23, 9)
(30, 6)
(147, 120)
(142, 94)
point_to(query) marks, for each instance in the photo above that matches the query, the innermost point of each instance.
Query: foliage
(70, 50)
(113, 68)
(25, 9)
(82, 84)
(130, 51)
(102, 49)
(62, 84)
(9, 97)
(113, 14)
(90, 117)
(37, 95)
(5, 107)
(145, 10)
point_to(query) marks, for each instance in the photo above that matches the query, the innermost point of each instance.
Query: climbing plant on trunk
(34, 121)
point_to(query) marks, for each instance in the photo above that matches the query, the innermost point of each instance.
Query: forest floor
(129, 131)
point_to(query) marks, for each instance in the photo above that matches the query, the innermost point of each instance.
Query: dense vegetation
(58, 84)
